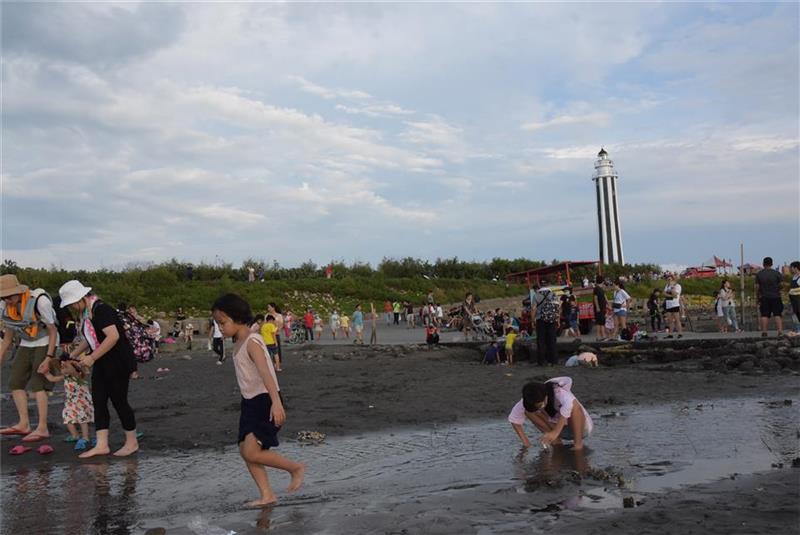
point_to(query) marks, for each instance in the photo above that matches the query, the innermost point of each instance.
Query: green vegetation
(167, 286)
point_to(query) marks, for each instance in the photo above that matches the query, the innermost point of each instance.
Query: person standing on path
(111, 359)
(280, 322)
(373, 337)
(794, 294)
(30, 314)
(308, 324)
(388, 312)
(727, 305)
(396, 312)
(334, 323)
(216, 340)
(654, 308)
(358, 325)
(545, 310)
(600, 302)
(672, 304)
(768, 292)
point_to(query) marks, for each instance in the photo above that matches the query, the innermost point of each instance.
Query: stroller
(298, 334)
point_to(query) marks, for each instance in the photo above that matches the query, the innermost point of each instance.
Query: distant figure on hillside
(251, 274)
(768, 291)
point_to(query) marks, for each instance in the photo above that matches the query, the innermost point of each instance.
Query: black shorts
(673, 309)
(254, 419)
(771, 306)
(600, 318)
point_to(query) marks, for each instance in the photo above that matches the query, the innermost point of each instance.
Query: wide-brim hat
(9, 285)
(72, 292)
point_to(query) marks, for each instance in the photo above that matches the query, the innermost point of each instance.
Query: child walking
(78, 407)
(554, 410)
(262, 413)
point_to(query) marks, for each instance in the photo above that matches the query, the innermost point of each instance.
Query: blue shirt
(358, 318)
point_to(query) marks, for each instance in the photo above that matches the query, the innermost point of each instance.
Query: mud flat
(698, 437)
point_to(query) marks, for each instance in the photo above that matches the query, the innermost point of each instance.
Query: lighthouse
(610, 233)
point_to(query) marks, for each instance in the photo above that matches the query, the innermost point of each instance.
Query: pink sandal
(45, 449)
(19, 449)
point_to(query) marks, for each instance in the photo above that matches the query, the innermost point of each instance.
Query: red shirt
(308, 320)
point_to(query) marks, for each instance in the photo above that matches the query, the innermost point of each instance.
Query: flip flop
(45, 449)
(34, 438)
(10, 431)
(19, 449)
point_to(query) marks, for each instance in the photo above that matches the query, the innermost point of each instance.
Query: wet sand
(370, 394)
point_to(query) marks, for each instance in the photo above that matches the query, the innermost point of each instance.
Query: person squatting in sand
(554, 410)
(262, 412)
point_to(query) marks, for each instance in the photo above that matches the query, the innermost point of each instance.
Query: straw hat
(72, 292)
(9, 285)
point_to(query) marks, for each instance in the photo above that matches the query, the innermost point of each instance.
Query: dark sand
(347, 390)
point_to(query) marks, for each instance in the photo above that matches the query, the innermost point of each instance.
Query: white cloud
(591, 118)
(327, 93)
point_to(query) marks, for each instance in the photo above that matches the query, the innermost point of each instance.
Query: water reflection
(114, 496)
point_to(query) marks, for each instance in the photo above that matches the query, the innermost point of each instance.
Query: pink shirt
(563, 404)
(250, 382)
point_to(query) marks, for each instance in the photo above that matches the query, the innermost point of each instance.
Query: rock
(746, 366)
(796, 462)
(628, 502)
(186, 357)
(155, 531)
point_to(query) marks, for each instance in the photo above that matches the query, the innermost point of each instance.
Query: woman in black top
(111, 358)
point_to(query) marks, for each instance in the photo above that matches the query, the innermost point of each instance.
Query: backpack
(142, 344)
(551, 309)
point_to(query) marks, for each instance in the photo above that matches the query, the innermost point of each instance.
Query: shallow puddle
(463, 478)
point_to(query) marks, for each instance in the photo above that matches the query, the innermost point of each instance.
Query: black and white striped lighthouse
(610, 233)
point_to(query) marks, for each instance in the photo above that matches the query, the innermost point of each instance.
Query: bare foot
(263, 502)
(577, 447)
(94, 452)
(126, 450)
(297, 478)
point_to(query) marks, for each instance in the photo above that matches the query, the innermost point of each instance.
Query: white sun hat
(72, 292)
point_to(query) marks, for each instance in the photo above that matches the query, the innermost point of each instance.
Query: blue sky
(140, 132)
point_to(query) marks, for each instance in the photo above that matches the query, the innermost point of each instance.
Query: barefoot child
(78, 408)
(511, 335)
(262, 412)
(554, 410)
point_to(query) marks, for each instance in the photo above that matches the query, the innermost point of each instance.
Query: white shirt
(439, 312)
(44, 309)
(621, 297)
(155, 330)
(216, 333)
(676, 301)
(563, 403)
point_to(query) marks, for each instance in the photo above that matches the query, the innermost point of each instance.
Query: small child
(511, 335)
(492, 355)
(78, 406)
(318, 326)
(188, 333)
(554, 410)
(358, 324)
(262, 413)
(431, 335)
(572, 317)
(268, 331)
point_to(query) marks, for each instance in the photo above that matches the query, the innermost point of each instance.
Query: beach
(417, 441)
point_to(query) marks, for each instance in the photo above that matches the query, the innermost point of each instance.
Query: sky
(139, 132)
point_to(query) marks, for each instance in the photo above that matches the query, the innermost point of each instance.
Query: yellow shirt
(268, 331)
(345, 321)
(510, 337)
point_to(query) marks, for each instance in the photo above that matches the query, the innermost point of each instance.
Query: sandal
(45, 449)
(19, 449)
(70, 438)
(10, 431)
